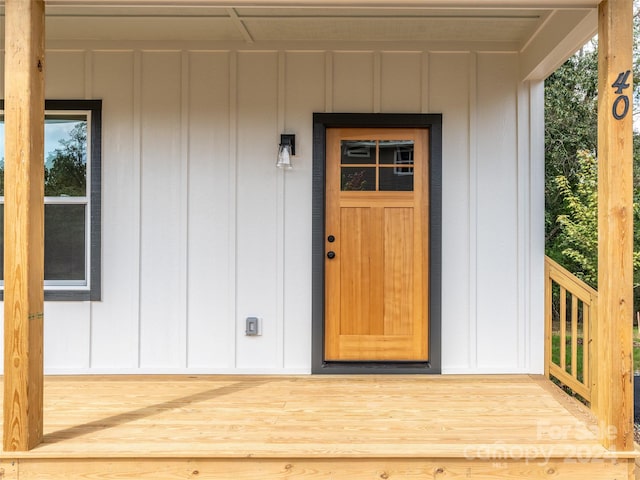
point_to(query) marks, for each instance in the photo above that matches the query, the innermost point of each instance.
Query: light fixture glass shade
(284, 156)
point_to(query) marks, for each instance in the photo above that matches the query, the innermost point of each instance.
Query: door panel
(398, 271)
(377, 231)
(356, 272)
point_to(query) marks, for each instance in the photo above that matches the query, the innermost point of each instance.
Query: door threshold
(400, 368)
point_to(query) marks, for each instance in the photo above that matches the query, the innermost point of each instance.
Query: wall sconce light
(286, 150)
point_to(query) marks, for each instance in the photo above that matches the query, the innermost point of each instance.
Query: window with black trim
(72, 158)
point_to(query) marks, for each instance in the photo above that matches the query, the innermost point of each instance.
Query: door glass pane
(358, 179)
(398, 175)
(396, 152)
(64, 245)
(356, 152)
(396, 179)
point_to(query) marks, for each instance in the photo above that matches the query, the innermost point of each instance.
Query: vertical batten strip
(88, 94)
(523, 211)
(377, 81)
(536, 219)
(137, 208)
(233, 201)
(473, 211)
(328, 83)
(424, 72)
(615, 225)
(184, 204)
(24, 224)
(280, 214)
(88, 74)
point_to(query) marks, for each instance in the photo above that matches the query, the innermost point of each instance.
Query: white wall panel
(523, 110)
(68, 336)
(67, 65)
(200, 230)
(305, 89)
(162, 320)
(211, 332)
(401, 82)
(450, 86)
(67, 324)
(257, 228)
(114, 320)
(497, 206)
(353, 81)
(535, 247)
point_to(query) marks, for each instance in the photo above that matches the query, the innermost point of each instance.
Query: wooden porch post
(23, 224)
(615, 226)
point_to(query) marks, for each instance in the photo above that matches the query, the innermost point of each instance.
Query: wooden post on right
(614, 336)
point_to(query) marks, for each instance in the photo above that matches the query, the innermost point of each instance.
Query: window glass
(387, 165)
(64, 246)
(66, 198)
(65, 157)
(72, 214)
(65, 243)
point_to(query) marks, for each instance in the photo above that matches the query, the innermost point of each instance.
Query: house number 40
(621, 104)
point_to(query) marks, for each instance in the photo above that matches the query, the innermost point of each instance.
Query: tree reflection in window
(358, 179)
(66, 166)
(72, 247)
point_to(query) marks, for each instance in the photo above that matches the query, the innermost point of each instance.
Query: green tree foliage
(571, 125)
(571, 134)
(577, 241)
(578, 234)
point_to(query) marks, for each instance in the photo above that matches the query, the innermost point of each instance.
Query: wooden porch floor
(337, 427)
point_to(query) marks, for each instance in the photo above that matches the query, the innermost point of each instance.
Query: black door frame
(433, 122)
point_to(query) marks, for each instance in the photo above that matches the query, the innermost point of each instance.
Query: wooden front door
(376, 264)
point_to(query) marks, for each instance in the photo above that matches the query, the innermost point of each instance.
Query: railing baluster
(548, 320)
(563, 328)
(574, 336)
(586, 335)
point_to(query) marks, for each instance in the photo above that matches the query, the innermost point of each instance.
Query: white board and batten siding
(200, 230)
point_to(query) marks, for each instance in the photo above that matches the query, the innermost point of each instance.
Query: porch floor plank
(218, 421)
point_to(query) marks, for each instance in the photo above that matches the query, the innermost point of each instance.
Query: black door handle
(331, 255)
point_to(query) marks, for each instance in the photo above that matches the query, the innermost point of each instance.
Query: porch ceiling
(296, 24)
(502, 25)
